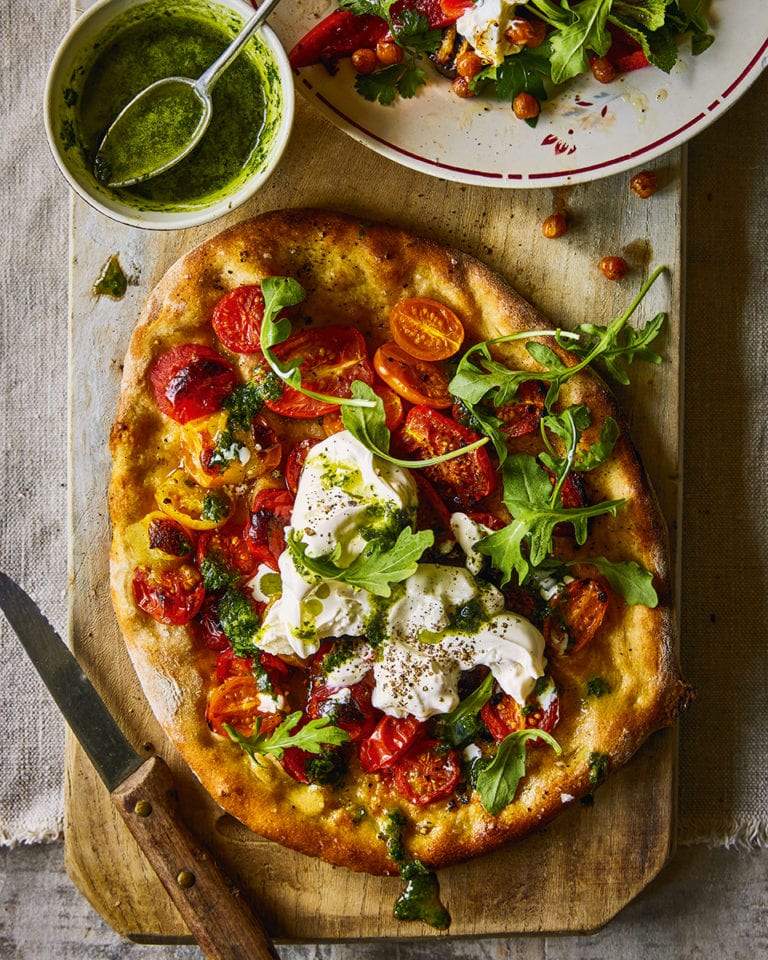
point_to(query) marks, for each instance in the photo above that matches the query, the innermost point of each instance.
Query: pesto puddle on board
(151, 42)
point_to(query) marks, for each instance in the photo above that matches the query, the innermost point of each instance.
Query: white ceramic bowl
(73, 52)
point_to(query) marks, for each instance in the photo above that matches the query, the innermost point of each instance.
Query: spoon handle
(211, 75)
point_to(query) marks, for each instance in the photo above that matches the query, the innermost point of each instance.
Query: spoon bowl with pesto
(165, 122)
(181, 151)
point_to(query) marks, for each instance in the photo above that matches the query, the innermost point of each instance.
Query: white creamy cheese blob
(483, 24)
(341, 488)
(468, 533)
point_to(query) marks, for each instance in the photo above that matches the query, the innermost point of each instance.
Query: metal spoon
(201, 89)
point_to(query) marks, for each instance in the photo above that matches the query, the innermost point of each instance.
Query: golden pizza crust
(355, 272)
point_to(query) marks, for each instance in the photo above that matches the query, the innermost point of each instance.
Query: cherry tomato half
(572, 495)
(431, 512)
(169, 596)
(425, 328)
(329, 358)
(350, 708)
(229, 547)
(503, 715)
(423, 775)
(237, 703)
(210, 629)
(417, 381)
(522, 417)
(577, 613)
(393, 411)
(190, 381)
(217, 455)
(388, 742)
(294, 464)
(432, 9)
(265, 531)
(464, 480)
(236, 319)
(229, 665)
(453, 9)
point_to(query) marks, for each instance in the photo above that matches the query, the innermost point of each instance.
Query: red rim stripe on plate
(746, 69)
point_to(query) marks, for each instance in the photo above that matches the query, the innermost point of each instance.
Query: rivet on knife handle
(216, 914)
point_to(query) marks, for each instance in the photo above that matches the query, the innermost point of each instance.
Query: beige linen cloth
(724, 797)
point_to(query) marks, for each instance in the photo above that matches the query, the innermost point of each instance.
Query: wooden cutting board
(585, 867)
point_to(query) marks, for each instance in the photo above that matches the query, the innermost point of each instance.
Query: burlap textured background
(724, 797)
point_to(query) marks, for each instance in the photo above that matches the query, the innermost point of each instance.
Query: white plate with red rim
(590, 130)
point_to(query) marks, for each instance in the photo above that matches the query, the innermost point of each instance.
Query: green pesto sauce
(420, 899)
(112, 281)
(150, 134)
(173, 44)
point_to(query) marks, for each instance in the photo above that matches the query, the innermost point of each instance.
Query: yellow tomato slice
(184, 501)
(216, 455)
(147, 538)
(425, 328)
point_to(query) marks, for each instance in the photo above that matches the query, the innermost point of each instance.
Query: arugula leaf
(568, 426)
(620, 349)
(369, 425)
(498, 777)
(523, 72)
(312, 737)
(536, 511)
(650, 14)
(462, 724)
(588, 31)
(551, 12)
(375, 568)
(633, 582)
(384, 85)
(279, 293)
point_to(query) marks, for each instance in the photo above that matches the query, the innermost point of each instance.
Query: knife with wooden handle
(143, 791)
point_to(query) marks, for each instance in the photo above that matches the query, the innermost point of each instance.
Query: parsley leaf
(311, 737)
(281, 292)
(523, 72)
(369, 425)
(462, 724)
(384, 85)
(499, 776)
(375, 568)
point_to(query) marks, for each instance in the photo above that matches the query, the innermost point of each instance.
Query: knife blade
(143, 791)
(110, 753)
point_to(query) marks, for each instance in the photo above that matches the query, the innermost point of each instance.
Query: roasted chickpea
(526, 106)
(388, 53)
(645, 184)
(468, 64)
(526, 33)
(603, 70)
(364, 60)
(462, 88)
(614, 268)
(555, 226)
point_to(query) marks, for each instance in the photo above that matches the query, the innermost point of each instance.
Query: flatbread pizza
(385, 559)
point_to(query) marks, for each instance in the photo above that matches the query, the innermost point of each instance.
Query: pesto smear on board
(169, 42)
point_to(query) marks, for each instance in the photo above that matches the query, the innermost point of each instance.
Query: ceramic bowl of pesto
(117, 48)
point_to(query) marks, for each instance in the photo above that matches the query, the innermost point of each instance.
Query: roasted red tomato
(237, 702)
(330, 358)
(502, 714)
(426, 329)
(277, 669)
(228, 665)
(576, 614)
(294, 464)
(625, 54)
(170, 537)
(463, 481)
(417, 381)
(265, 531)
(453, 9)
(424, 775)
(190, 381)
(236, 319)
(295, 763)
(431, 512)
(228, 545)
(523, 415)
(337, 35)
(169, 596)
(388, 742)
(487, 519)
(433, 10)
(349, 707)
(572, 495)
(210, 626)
